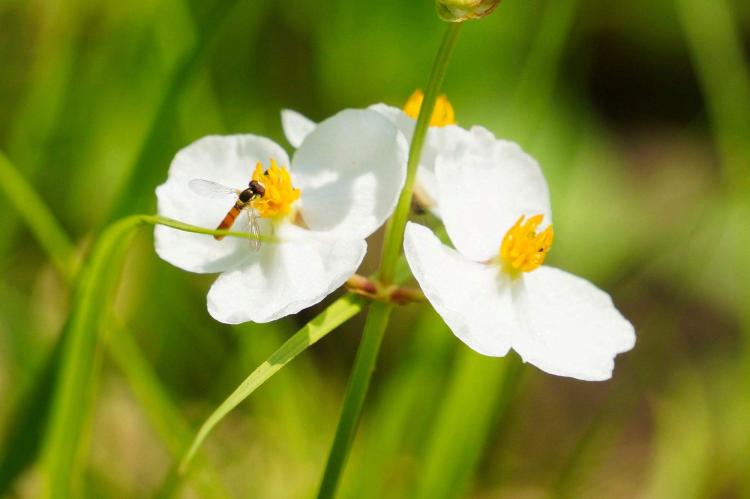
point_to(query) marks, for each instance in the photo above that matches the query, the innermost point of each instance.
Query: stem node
(377, 291)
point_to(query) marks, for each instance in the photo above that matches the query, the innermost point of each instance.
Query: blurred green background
(639, 113)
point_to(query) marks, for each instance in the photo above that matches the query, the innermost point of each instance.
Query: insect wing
(254, 228)
(209, 189)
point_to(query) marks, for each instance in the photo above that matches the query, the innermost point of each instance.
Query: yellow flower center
(279, 194)
(523, 249)
(442, 115)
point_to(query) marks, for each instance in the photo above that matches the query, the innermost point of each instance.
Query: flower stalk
(175, 224)
(394, 233)
(379, 312)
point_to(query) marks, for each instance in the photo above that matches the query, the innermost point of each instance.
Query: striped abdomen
(229, 219)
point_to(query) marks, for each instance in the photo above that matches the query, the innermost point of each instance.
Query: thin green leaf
(536, 83)
(27, 422)
(481, 390)
(599, 437)
(73, 388)
(137, 192)
(332, 317)
(41, 113)
(31, 414)
(716, 48)
(683, 448)
(41, 222)
(158, 407)
(283, 404)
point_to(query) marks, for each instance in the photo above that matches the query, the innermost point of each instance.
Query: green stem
(175, 224)
(394, 234)
(379, 313)
(359, 382)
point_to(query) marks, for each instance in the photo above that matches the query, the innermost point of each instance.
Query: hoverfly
(245, 197)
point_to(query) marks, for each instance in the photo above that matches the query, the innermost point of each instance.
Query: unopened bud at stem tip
(462, 10)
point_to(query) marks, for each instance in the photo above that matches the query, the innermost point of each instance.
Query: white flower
(444, 138)
(342, 184)
(492, 290)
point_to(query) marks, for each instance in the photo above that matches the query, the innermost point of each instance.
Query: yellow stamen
(442, 115)
(522, 248)
(279, 194)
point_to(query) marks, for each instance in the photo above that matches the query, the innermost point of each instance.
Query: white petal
(474, 299)
(296, 126)
(569, 327)
(484, 189)
(228, 160)
(350, 170)
(402, 120)
(447, 141)
(286, 278)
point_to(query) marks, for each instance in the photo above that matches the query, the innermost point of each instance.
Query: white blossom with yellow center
(341, 185)
(493, 290)
(444, 138)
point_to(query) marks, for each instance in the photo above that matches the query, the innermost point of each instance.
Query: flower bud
(462, 10)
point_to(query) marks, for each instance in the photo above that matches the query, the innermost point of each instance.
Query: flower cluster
(491, 287)
(321, 206)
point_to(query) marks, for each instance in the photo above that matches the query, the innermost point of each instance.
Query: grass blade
(41, 112)
(536, 84)
(683, 454)
(482, 389)
(332, 317)
(73, 388)
(137, 191)
(28, 421)
(42, 224)
(158, 407)
(716, 49)
(31, 415)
